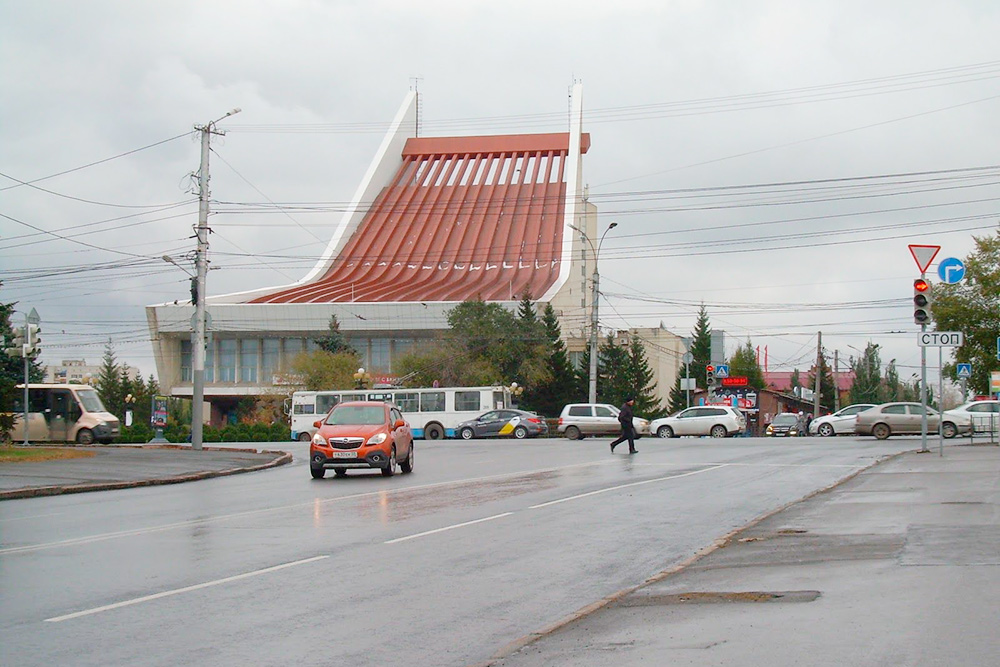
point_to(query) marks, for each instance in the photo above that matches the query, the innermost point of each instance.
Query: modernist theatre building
(434, 222)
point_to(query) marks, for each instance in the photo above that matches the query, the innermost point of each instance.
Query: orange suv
(361, 434)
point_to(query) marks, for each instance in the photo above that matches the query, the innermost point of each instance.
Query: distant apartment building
(78, 371)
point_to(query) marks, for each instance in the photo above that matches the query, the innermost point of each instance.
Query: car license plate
(345, 455)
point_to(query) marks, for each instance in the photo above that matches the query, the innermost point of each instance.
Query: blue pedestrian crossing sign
(963, 371)
(722, 371)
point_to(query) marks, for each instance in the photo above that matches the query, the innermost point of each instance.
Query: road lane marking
(625, 486)
(266, 510)
(178, 591)
(452, 527)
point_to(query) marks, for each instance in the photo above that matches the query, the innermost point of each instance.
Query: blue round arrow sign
(951, 270)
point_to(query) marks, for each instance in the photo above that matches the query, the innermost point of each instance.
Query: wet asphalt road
(485, 542)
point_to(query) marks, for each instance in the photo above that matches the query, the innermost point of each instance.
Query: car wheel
(825, 430)
(318, 473)
(881, 431)
(949, 430)
(664, 432)
(520, 433)
(390, 469)
(719, 431)
(573, 433)
(407, 465)
(340, 472)
(466, 433)
(85, 436)
(434, 432)
(304, 437)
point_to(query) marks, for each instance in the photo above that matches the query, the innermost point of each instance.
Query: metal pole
(923, 390)
(24, 353)
(687, 385)
(592, 393)
(940, 404)
(201, 262)
(819, 373)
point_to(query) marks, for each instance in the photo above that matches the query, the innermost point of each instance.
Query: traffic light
(921, 301)
(16, 348)
(34, 340)
(710, 375)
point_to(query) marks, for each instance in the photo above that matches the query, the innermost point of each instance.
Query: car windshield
(90, 400)
(356, 415)
(784, 420)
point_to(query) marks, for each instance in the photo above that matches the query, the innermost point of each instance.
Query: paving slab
(118, 467)
(899, 565)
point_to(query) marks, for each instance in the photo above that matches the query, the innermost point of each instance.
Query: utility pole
(201, 263)
(836, 380)
(819, 373)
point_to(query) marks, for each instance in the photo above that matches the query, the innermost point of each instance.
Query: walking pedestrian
(628, 428)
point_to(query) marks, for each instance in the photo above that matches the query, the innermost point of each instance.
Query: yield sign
(923, 255)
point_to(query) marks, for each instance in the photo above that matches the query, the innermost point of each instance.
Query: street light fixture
(592, 393)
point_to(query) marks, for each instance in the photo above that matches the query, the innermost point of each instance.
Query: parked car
(361, 434)
(578, 420)
(984, 416)
(718, 421)
(784, 425)
(840, 422)
(498, 423)
(902, 418)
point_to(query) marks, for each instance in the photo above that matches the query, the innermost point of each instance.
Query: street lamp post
(595, 287)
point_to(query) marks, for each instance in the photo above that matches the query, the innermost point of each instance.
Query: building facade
(435, 221)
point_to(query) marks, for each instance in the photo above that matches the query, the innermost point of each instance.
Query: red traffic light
(710, 368)
(921, 285)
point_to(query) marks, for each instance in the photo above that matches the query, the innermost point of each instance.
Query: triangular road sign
(923, 255)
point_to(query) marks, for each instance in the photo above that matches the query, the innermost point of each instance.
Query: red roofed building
(434, 222)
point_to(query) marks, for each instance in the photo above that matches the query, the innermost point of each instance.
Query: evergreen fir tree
(109, 382)
(867, 371)
(335, 342)
(549, 398)
(827, 388)
(614, 381)
(643, 388)
(744, 363)
(701, 347)
(678, 397)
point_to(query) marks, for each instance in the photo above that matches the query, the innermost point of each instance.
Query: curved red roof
(462, 218)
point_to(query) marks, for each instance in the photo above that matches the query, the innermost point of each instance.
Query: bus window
(432, 401)
(352, 397)
(408, 401)
(380, 396)
(305, 409)
(498, 400)
(325, 402)
(466, 401)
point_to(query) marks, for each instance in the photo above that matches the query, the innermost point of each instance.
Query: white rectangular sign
(940, 339)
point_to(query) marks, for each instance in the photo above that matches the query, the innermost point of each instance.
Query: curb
(722, 542)
(281, 458)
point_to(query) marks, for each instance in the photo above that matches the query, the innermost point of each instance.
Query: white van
(63, 413)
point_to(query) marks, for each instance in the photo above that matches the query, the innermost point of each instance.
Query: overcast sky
(768, 159)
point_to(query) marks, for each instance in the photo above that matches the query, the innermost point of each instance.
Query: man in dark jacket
(628, 429)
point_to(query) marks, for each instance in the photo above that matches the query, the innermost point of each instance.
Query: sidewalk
(899, 565)
(120, 467)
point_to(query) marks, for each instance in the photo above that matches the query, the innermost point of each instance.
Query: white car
(578, 420)
(840, 422)
(718, 421)
(984, 416)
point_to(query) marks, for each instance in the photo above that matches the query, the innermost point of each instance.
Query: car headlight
(319, 439)
(377, 439)
(769, 430)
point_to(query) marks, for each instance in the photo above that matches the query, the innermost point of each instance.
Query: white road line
(625, 486)
(178, 591)
(745, 465)
(266, 510)
(441, 530)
